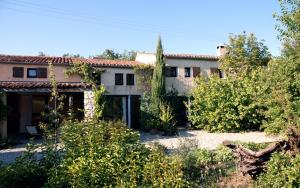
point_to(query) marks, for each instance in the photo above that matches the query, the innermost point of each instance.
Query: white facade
(181, 83)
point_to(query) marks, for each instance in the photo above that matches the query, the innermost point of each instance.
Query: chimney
(221, 49)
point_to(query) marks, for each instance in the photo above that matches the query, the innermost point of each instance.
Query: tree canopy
(243, 54)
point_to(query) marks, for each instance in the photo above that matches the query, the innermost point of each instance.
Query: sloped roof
(65, 61)
(40, 85)
(192, 56)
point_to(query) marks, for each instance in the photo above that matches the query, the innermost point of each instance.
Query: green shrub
(204, 168)
(99, 154)
(26, 171)
(223, 154)
(283, 170)
(167, 121)
(225, 105)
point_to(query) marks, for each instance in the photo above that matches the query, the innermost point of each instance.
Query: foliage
(99, 153)
(87, 72)
(283, 170)
(144, 76)
(158, 88)
(99, 101)
(289, 27)
(167, 121)
(111, 54)
(72, 55)
(280, 93)
(203, 168)
(26, 171)
(244, 53)
(225, 104)
(255, 146)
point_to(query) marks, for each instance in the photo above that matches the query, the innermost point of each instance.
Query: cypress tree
(158, 80)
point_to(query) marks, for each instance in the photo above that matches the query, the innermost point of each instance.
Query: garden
(259, 92)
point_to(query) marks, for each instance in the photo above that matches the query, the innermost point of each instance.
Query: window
(42, 73)
(31, 73)
(130, 79)
(187, 72)
(196, 71)
(118, 79)
(171, 71)
(215, 71)
(18, 72)
(37, 73)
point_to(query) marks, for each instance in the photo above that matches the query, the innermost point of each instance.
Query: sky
(87, 27)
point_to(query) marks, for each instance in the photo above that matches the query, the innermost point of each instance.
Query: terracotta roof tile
(39, 85)
(65, 60)
(192, 56)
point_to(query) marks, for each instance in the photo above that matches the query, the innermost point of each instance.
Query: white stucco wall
(108, 80)
(181, 84)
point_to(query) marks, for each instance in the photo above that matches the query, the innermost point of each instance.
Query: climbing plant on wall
(91, 75)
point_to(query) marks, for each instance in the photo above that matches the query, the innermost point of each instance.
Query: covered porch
(27, 102)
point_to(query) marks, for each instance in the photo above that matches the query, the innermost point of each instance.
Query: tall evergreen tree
(158, 80)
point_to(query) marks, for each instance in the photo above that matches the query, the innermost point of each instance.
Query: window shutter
(41, 73)
(196, 71)
(18, 72)
(167, 71)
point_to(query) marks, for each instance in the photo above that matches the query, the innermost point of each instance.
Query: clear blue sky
(90, 26)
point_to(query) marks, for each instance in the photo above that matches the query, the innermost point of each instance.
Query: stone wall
(89, 107)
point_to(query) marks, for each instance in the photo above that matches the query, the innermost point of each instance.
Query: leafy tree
(244, 53)
(158, 81)
(222, 105)
(72, 55)
(111, 54)
(289, 27)
(41, 54)
(280, 93)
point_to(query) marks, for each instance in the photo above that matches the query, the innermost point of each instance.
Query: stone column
(129, 111)
(124, 109)
(89, 107)
(3, 123)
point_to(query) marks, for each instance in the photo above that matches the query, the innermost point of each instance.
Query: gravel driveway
(202, 138)
(206, 140)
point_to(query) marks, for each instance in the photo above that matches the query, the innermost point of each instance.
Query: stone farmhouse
(25, 84)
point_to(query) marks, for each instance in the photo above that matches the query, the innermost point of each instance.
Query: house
(26, 88)
(24, 80)
(181, 69)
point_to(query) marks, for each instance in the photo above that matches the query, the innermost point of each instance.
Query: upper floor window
(130, 79)
(196, 71)
(37, 72)
(187, 72)
(216, 71)
(171, 71)
(18, 72)
(118, 79)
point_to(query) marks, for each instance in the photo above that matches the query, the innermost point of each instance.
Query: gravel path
(201, 138)
(206, 140)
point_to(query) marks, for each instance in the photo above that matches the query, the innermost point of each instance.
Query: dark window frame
(18, 72)
(187, 72)
(31, 69)
(171, 72)
(117, 77)
(40, 72)
(130, 79)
